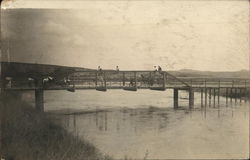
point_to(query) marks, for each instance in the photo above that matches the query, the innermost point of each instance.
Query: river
(144, 125)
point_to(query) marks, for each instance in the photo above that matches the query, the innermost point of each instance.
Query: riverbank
(30, 135)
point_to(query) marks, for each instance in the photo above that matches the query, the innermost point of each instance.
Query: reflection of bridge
(132, 81)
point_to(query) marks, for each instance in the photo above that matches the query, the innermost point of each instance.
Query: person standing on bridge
(117, 68)
(155, 68)
(99, 68)
(159, 68)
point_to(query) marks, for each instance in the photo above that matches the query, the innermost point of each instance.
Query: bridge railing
(219, 83)
(140, 79)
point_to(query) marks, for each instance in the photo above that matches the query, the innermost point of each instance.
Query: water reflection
(221, 131)
(134, 132)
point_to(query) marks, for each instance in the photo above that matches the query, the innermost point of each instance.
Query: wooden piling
(235, 93)
(205, 96)
(218, 94)
(39, 99)
(231, 95)
(191, 98)
(226, 95)
(245, 95)
(201, 97)
(96, 78)
(164, 80)
(39, 95)
(214, 96)
(210, 96)
(176, 94)
(135, 79)
(123, 79)
(104, 78)
(240, 94)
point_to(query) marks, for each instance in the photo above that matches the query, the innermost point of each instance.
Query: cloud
(182, 35)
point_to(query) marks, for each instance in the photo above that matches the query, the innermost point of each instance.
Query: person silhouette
(155, 69)
(159, 68)
(117, 68)
(99, 68)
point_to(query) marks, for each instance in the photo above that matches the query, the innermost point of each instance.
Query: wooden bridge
(103, 80)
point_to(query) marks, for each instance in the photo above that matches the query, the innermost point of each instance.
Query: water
(143, 124)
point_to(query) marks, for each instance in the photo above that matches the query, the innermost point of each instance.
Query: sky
(135, 35)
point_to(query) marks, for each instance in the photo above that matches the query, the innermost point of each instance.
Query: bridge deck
(82, 80)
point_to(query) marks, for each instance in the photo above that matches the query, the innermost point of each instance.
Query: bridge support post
(226, 96)
(214, 96)
(235, 94)
(205, 96)
(210, 94)
(39, 100)
(105, 80)
(176, 94)
(218, 95)
(123, 79)
(240, 95)
(96, 79)
(164, 80)
(135, 79)
(191, 98)
(245, 95)
(201, 97)
(231, 95)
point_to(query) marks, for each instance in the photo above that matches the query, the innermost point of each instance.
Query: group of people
(157, 68)
(117, 68)
(100, 69)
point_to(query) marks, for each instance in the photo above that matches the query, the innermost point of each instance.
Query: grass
(31, 135)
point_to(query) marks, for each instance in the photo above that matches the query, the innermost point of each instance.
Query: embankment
(31, 135)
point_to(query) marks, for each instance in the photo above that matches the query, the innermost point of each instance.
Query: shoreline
(29, 134)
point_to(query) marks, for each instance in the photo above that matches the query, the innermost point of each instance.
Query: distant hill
(210, 74)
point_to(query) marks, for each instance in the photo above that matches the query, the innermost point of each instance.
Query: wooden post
(201, 97)
(104, 77)
(135, 79)
(96, 77)
(205, 96)
(164, 80)
(150, 78)
(245, 95)
(214, 96)
(240, 94)
(245, 91)
(210, 96)
(226, 95)
(191, 98)
(218, 95)
(231, 95)
(39, 99)
(176, 98)
(236, 92)
(123, 79)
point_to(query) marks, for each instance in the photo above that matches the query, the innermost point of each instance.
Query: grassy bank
(30, 135)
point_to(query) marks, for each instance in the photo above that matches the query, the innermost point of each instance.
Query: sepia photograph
(124, 79)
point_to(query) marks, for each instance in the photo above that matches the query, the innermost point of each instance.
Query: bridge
(103, 80)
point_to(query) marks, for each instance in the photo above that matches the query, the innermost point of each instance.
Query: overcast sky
(201, 35)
